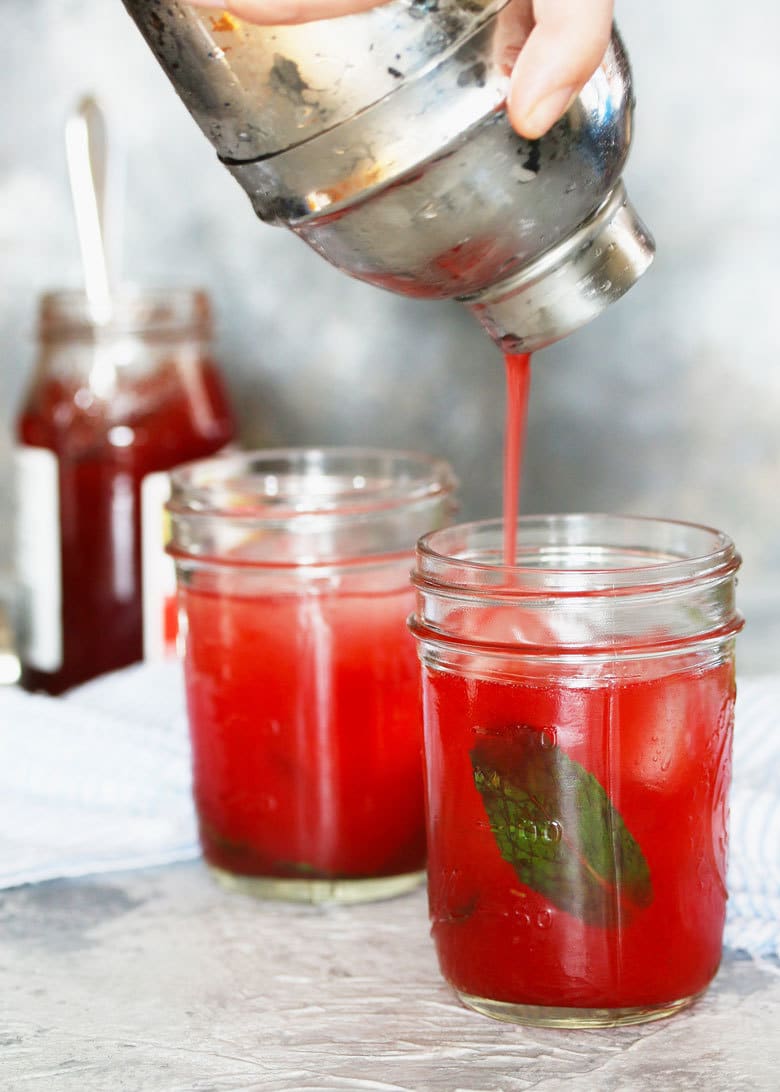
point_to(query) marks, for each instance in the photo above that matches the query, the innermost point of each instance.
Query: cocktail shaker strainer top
(381, 139)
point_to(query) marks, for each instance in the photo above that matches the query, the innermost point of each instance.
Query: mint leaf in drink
(555, 824)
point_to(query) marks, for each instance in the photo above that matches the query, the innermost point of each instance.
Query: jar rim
(275, 484)
(141, 310)
(574, 554)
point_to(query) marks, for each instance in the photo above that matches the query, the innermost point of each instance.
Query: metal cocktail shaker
(381, 139)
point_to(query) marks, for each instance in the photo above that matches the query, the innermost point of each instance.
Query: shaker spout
(569, 285)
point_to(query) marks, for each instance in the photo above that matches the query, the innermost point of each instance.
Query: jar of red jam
(110, 409)
(302, 678)
(578, 713)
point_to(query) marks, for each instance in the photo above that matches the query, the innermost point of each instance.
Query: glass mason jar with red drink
(578, 712)
(302, 678)
(110, 409)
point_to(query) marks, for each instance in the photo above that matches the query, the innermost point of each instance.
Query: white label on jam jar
(38, 559)
(157, 569)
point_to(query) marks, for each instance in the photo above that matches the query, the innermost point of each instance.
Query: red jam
(105, 449)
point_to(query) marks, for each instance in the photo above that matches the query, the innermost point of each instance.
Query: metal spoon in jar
(86, 148)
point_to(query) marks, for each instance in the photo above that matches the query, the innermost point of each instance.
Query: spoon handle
(86, 148)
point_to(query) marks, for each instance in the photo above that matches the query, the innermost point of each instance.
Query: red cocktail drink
(655, 753)
(578, 715)
(306, 732)
(302, 677)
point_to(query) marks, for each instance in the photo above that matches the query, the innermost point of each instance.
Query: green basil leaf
(555, 824)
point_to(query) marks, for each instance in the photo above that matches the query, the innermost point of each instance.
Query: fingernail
(546, 111)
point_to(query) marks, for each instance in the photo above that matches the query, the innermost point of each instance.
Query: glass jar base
(302, 890)
(549, 1016)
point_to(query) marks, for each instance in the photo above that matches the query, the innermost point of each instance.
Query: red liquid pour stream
(518, 383)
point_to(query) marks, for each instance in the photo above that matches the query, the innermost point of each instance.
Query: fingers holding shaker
(578, 714)
(556, 44)
(302, 678)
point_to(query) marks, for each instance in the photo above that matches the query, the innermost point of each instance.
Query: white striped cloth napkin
(753, 919)
(97, 780)
(100, 780)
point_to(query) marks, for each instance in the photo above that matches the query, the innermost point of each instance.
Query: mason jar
(578, 715)
(110, 408)
(302, 679)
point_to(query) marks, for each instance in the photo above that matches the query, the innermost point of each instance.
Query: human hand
(552, 46)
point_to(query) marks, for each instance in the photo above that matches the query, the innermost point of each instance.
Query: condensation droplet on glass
(547, 739)
(528, 830)
(544, 919)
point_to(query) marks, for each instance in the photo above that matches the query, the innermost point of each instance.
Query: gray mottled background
(668, 405)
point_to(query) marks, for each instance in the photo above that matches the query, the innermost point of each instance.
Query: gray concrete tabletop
(159, 981)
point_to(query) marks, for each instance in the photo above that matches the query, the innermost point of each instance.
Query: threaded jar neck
(154, 314)
(307, 506)
(582, 584)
